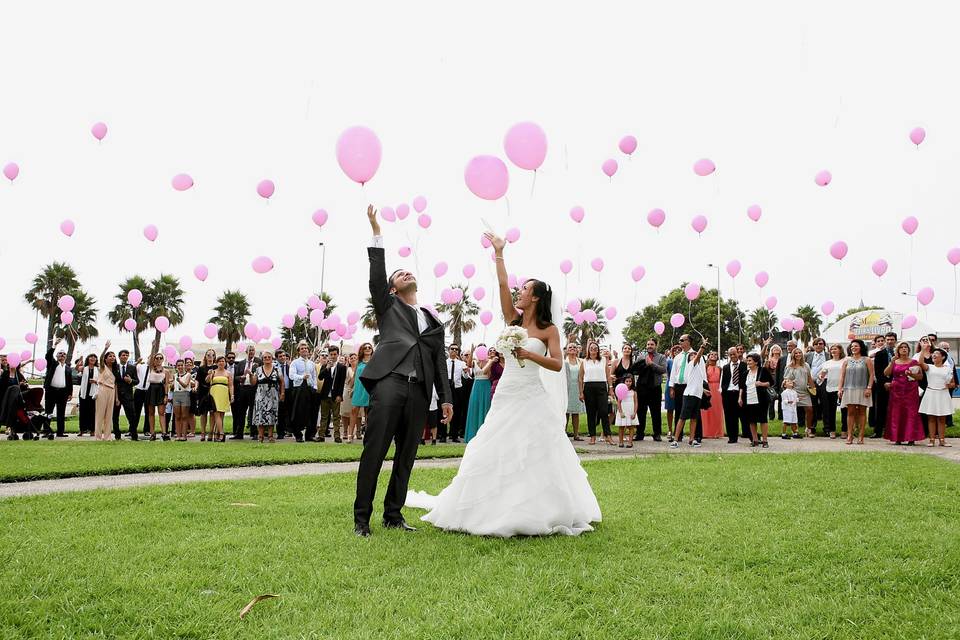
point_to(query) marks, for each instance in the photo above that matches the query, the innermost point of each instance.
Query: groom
(408, 363)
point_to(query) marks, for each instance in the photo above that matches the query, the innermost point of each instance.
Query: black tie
(736, 374)
(451, 374)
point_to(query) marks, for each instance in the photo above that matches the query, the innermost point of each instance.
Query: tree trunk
(71, 344)
(155, 346)
(51, 328)
(457, 335)
(229, 345)
(136, 345)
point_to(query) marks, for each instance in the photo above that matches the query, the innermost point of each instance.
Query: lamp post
(323, 263)
(717, 267)
(912, 295)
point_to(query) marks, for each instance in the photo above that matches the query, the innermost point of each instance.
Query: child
(789, 400)
(627, 412)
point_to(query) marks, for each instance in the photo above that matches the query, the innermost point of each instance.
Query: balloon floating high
(66, 302)
(576, 214)
(909, 225)
(638, 272)
(761, 279)
(704, 167)
(609, 167)
(265, 189)
(827, 307)
(182, 182)
(150, 232)
(838, 250)
(388, 214)
(526, 145)
(733, 268)
(134, 297)
(67, 227)
(99, 130)
(320, 217)
(201, 272)
(262, 264)
(879, 267)
(754, 212)
(11, 170)
(419, 204)
(917, 135)
(677, 320)
(925, 296)
(628, 144)
(359, 153)
(487, 177)
(823, 178)
(656, 217)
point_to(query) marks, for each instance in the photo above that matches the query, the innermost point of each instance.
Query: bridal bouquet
(512, 338)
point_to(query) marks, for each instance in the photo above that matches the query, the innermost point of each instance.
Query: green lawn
(746, 546)
(73, 457)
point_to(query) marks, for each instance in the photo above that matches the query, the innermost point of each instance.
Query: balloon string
(507, 200)
(690, 318)
(534, 184)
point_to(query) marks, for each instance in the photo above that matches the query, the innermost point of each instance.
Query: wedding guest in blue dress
(479, 396)
(361, 398)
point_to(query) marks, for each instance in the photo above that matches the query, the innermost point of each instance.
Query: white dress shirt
(59, 379)
(677, 365)
(455, 371)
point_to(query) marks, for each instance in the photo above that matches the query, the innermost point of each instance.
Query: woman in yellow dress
(221, 394)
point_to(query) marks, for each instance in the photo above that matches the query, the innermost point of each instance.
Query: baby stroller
(22, 412)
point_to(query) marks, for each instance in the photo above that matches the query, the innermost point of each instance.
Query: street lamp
(323, 262)
(717, 267)
(912, 295)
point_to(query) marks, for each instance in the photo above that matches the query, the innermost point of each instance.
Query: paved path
(590, 452)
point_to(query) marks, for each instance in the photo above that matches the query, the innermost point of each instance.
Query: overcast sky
(233, 94)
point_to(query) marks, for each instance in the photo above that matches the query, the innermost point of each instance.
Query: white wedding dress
(520, 474)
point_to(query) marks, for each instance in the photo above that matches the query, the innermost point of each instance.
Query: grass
(42, 459)
(748, 546)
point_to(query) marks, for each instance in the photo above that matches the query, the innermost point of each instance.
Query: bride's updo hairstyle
(542, 314)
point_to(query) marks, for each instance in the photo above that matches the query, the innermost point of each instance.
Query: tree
(163, 297)
(811, 323)
(57, 279)
(759, 324)
(303, 330)
(461, 315)
(700, 317)
(369, 318)
(586, 331)
(122, 311)
(230, 316)
(84, 326)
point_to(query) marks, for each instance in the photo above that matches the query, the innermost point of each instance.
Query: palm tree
(84, 327)
(811, 323)
(587, 331)
(759, 324)
(369, 318)
(231, 315)
(55, 280)
(122, 310)
(163, 297)
(461, 315)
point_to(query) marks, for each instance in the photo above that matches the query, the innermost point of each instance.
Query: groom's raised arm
(379, 287)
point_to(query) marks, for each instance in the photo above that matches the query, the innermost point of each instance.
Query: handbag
(772, 393)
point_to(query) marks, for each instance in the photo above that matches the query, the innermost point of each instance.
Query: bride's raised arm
(506, 300)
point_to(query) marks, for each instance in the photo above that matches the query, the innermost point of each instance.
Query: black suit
(648, 377)
(125, 396)
(56, 398)
(881, 397)
(334, 379)
(398, 403)
(732, 411)
(243, 398)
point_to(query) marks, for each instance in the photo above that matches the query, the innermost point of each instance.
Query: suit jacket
(239, 366)
(400, 332)
(726, 375)
(52, 365)
(880, 362)
(650, 374)
(334, 380)
(763, 396)
(125, 390)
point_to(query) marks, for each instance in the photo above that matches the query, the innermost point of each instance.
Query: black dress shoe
(362, 530)
(657, 438)
(398, 525)
(299, 439)
(134, 437)
(117, 436)
(61, 435)
(320, 439)
(338, 439)
(236, 437)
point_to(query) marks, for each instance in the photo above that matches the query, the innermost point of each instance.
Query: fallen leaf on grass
(250, 605)
(243, 504)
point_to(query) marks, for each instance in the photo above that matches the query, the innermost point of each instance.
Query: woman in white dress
(936, 402)
(520, 475)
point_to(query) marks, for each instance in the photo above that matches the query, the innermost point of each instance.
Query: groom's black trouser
(397, 412)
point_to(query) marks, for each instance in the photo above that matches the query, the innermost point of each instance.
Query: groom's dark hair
(544, 295)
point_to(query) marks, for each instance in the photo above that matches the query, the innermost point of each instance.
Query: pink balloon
(3, 343)
(129, 324)
(953, 256)
(909, 321)
(150, 232)
(210, 330)
(189, 355)
(610, 313)
(446, 296)
(440, 269)
(320, 217)
(265, 332)
(388, 214)
(823, 178)
(161, 324)
(404, 252)
(576, 214)
(754, 212)
(573, 306)
(262, 264)
(733, 268)
(402, 211)
(638, 272)
(628, 144)
(265, 188)
(334, 319)
(699, 223)
(578, 318)
(13, 359)
(479, 293)
(353, 317)
(656, 217)
(134, 297)
(827, 307)
(66, 317)
(67, 228)
(40, 365)
(917, 135)
(677, 320)
(359, 153)
(419, 204)
(909, 225)
(761, 279)
(798, 324)
(487, 177)
(481, 353)
(302, 312)
(314, 301)
(424, 221)
(31, 338)
(589, 315)
(11, 170)
(99, 130)
(201, 272)
(335, 336)
(609, 167)
(322, 305)
(879, 267)
(925, 296)
(787, 324)
(512, 235)
(597, 264)
(277, 342)
(512, 281)
(185, 342)
(288, 320)
(469, 271)
(566, 266)
(25, 355)
(658, 327)
(704, 167)
(692, 291)
(170, 353)
(485, 317)
(838, 250)
(622, 391)
(484, 242)
(251, 331)
(770, 302)
(526, 145)
(182, 182)
(66, 303)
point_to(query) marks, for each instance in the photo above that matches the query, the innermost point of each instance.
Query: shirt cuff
(376, 242)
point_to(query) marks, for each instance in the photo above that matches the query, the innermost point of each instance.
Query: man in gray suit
(649, 369)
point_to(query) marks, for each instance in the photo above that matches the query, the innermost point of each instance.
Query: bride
(519, 474)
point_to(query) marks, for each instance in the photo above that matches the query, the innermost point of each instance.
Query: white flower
(511, 339)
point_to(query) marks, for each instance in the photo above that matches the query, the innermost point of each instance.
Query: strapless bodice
(530, 369)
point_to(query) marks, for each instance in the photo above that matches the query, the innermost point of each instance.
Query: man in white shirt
(732, 378)
(695, 374)
(455, 372)
(244, 394)
(678, 386)
(303, 381)
(57, 386)
(140, 397)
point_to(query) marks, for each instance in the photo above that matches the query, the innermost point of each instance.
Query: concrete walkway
(589, 452)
